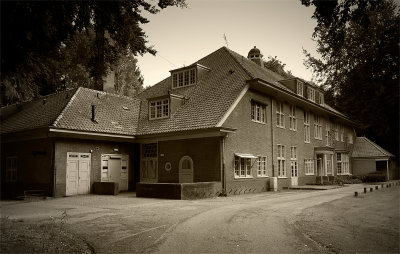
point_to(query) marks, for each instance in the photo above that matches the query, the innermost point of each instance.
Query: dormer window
(300, 86)
(159, 109)
(311, 94)
(184, 78)
(320, 98)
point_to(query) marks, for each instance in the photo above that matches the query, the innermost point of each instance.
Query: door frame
(180, 168)
(89, 159)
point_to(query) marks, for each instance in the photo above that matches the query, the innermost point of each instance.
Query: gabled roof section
(72, 110)
(34, 114)
(365, 148)
(114, 114)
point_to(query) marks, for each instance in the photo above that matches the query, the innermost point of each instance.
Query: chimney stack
(94, 114)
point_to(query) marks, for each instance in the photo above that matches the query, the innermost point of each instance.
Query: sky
(280, 28)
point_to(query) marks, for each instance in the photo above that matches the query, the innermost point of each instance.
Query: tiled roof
(365, 148)
(114, 114)
(207, 101)
(35, 114)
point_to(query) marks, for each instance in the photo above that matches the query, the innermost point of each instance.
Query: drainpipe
(53, 165)
(272, 139)
(387, 169)
(223, 175)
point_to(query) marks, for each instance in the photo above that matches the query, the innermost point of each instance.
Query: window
(281, 161)
(306, 127)
(342, 133)
(328, 133)
(317, 127)
(309, 166)
(350, 138)
(320, 98)
(299, 88)
(329, 159)
(258, 112)
(311, 94)
(292, 119)
(159, 109)
(149, 163)
(280, 120)
(293, 161)
(184, 78)
(11, 169)
(342, 160)
(262, 166)
(242, 167)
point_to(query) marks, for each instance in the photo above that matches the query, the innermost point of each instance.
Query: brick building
(224, 124)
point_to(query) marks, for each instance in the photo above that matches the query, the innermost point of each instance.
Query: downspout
(223, 175)
(387, 169)
(272, 139)
(53, 165)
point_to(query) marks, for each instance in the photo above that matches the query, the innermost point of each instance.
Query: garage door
(78, 173)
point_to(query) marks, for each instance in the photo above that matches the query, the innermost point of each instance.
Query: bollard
(355, 194)
(387, 185)
(376, 187)
(382, 185)
(365, 190)
(371, 189)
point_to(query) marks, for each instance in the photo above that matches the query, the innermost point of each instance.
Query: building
(223, 125)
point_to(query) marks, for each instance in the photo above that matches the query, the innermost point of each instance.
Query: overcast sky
(279, 28)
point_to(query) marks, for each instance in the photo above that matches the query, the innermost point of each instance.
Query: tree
(128, 79)
(33, 34)
(359, 64)
(274, 64)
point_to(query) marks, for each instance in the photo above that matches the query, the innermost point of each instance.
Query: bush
(373, 177)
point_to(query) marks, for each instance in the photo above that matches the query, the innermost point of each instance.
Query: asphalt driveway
(271, 222)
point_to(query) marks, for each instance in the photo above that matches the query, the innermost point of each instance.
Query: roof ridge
(237, 61)
(108, 93)
(382, 150)
(66, 107)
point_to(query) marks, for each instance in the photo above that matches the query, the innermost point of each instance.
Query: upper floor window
(159, 109)
(280, 116)
(300, 86)
(306, 127)
(184, 78)
(11, 169)
(342, 133)
(317, 127)
(328, 134)
(337, 132)
(350, 138)
(258, 112)
(320, 98)
(311, 94)
(292, 119)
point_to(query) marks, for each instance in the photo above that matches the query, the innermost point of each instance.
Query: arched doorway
(186, 170)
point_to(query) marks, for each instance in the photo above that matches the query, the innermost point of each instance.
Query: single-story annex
(223, 125)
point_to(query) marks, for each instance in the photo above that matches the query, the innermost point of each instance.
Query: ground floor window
(11, 169)
(242, 167)
(342, 160)
(309, 166)
(262, 166)
(329, 164)
(293, 161)
(281, 161)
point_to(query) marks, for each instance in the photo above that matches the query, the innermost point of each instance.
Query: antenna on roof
(226, 41)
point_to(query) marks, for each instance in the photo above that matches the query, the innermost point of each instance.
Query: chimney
(94, 114)
(256, 56)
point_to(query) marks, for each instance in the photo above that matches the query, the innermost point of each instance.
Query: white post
(387, 169)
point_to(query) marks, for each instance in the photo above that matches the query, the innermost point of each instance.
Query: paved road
(253, 223)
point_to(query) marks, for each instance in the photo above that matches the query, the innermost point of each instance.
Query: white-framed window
(184, 78)
(292, 119)
(258, 112)
(281, 161)
(311, 94)
(159, 109)
(300, 86)
(342, 164)
(262, 166)
(329, 164)
(309, 166)
(320, 98)
(328, 133)
(350, 138)
(280, 116)
(242, 167)
(342, 133)
(317, 127)
(11, 168)
(293, 161)
(307, 132)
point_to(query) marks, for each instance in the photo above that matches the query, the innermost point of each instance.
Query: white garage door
(78, 173)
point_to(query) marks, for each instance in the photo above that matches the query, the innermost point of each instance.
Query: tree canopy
(358, 41)
(38, 39)
(274, 64)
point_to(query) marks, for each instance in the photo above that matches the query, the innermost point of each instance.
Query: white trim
(233, 106)
(90, 133)
(246, 155)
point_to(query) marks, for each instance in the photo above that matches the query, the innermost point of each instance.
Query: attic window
(159, 109)
(311, 94)
(299, 90)
(320, 98)
(184, 78)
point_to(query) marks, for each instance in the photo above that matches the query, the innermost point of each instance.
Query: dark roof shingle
(365, 148)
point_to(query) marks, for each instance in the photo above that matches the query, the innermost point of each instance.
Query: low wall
(178, 190)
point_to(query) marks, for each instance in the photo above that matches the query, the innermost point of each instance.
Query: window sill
(254, 121)
(293, 129)
(281, 127)
(307, 142)
(243, 177)
(262, 176)
(282, 177)
(310, 174)
(159, 118)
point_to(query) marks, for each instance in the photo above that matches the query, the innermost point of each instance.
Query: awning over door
(246, 155)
